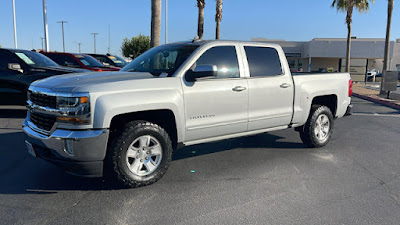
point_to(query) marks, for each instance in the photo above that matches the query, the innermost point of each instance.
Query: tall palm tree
(200, 23)
(386, 63)
(218, 17)
(348, 6)
(155, 23)
(387, 41)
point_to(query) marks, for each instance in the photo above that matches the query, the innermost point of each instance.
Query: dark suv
(79, 61)
(19, 68)
(111, 60)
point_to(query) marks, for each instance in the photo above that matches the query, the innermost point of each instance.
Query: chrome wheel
(144, 155)
(322, 126)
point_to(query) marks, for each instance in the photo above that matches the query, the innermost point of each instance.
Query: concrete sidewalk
(370, 91)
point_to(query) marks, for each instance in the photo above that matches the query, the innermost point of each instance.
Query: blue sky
(295, 20)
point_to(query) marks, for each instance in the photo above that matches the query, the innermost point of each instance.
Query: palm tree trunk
(386, 60)
(348, 48)
(200, 22)
(387, 41)
(155, 22)
(218, 18)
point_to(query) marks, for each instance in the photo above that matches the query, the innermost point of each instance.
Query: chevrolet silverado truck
(125, 125)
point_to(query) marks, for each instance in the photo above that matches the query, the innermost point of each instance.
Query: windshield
(118, 61)
(89, 61)
(35, 59)
(165, 59)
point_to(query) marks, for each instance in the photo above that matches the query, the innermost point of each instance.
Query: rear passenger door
(270, 88)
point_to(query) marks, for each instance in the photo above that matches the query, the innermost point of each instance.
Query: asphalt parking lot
(264, 179)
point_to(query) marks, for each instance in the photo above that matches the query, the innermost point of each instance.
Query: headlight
(75, 108)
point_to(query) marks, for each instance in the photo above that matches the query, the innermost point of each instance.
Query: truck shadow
(19, 112)
(20, 173)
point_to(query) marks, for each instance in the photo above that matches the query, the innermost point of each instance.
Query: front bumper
(78, 152)
(349, 110)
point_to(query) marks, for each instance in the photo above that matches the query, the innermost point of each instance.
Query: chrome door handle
(285, 85)
(238, 88)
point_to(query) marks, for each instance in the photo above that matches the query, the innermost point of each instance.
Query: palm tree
(386, 63)
(200, 24)
(348, 6)
(155, 23)
(218, 17)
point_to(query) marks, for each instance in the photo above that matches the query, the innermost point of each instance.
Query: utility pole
(46, 28)
(62, 27)
(41, 41)
(109, 39)
(166, 21)
(15, 25)
(94, 41)
(79, 46)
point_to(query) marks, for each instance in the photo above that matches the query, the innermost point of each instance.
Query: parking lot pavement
(263, 179)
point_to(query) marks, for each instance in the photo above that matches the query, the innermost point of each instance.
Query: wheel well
(164, 118)
(327, 100)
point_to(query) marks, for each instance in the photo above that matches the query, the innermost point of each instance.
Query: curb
(379, 101)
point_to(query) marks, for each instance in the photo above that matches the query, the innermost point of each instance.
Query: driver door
(216, 106)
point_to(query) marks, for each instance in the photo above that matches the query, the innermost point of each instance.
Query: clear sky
(294, 20)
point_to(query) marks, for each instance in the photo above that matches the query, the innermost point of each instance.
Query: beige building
(328, 54)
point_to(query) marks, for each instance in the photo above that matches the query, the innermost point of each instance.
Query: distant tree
(348, 7)
(200, 22)
(155, 22)
(135, 46)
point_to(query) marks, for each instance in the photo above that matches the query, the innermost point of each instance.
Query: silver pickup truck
(125, 125)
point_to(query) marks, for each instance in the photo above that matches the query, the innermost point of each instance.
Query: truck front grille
(42, 121)
(43, 100)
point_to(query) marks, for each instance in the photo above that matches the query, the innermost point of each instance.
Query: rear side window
(224, 57)
(263, 61)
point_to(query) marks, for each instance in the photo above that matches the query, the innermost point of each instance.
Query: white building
(328, 54)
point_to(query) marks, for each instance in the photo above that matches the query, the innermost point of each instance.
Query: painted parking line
(376, 114)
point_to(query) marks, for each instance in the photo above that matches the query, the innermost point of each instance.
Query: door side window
(224, 57)
(5, 60)
(263, 61)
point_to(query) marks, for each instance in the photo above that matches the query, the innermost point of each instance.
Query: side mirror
(15, 67)
(201, 71)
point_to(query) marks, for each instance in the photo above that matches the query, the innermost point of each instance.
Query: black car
(19, 68)
(110, 60)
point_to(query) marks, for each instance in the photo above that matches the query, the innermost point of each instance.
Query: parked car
(19, 68)
(79, 61)
(110, 60)
(370, 78)
(127, 124)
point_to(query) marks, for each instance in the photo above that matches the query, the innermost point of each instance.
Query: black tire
(116, 166)
(307, 131)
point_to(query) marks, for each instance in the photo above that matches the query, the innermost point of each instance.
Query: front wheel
(140, 155)
(318, 129)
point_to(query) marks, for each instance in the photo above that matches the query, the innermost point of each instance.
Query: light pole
(46, 28)
(79, 46)
(15, 24)
(41, 41)
(94, 40)
(62, 27)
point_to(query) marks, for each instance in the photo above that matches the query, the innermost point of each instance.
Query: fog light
(69, 147)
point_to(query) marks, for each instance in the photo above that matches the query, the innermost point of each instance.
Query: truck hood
(70, 82)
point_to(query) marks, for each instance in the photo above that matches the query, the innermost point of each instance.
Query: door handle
(238, 88)
(285, 85)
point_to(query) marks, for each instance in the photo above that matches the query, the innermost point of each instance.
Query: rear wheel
(318, 129)
(140, 155)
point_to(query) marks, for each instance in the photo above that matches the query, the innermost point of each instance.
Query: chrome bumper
(73, 148)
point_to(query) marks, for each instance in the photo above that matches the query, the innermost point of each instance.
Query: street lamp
(94, 40)
(46, 28)
(62, 26)
(79, 46)
(15, 24)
